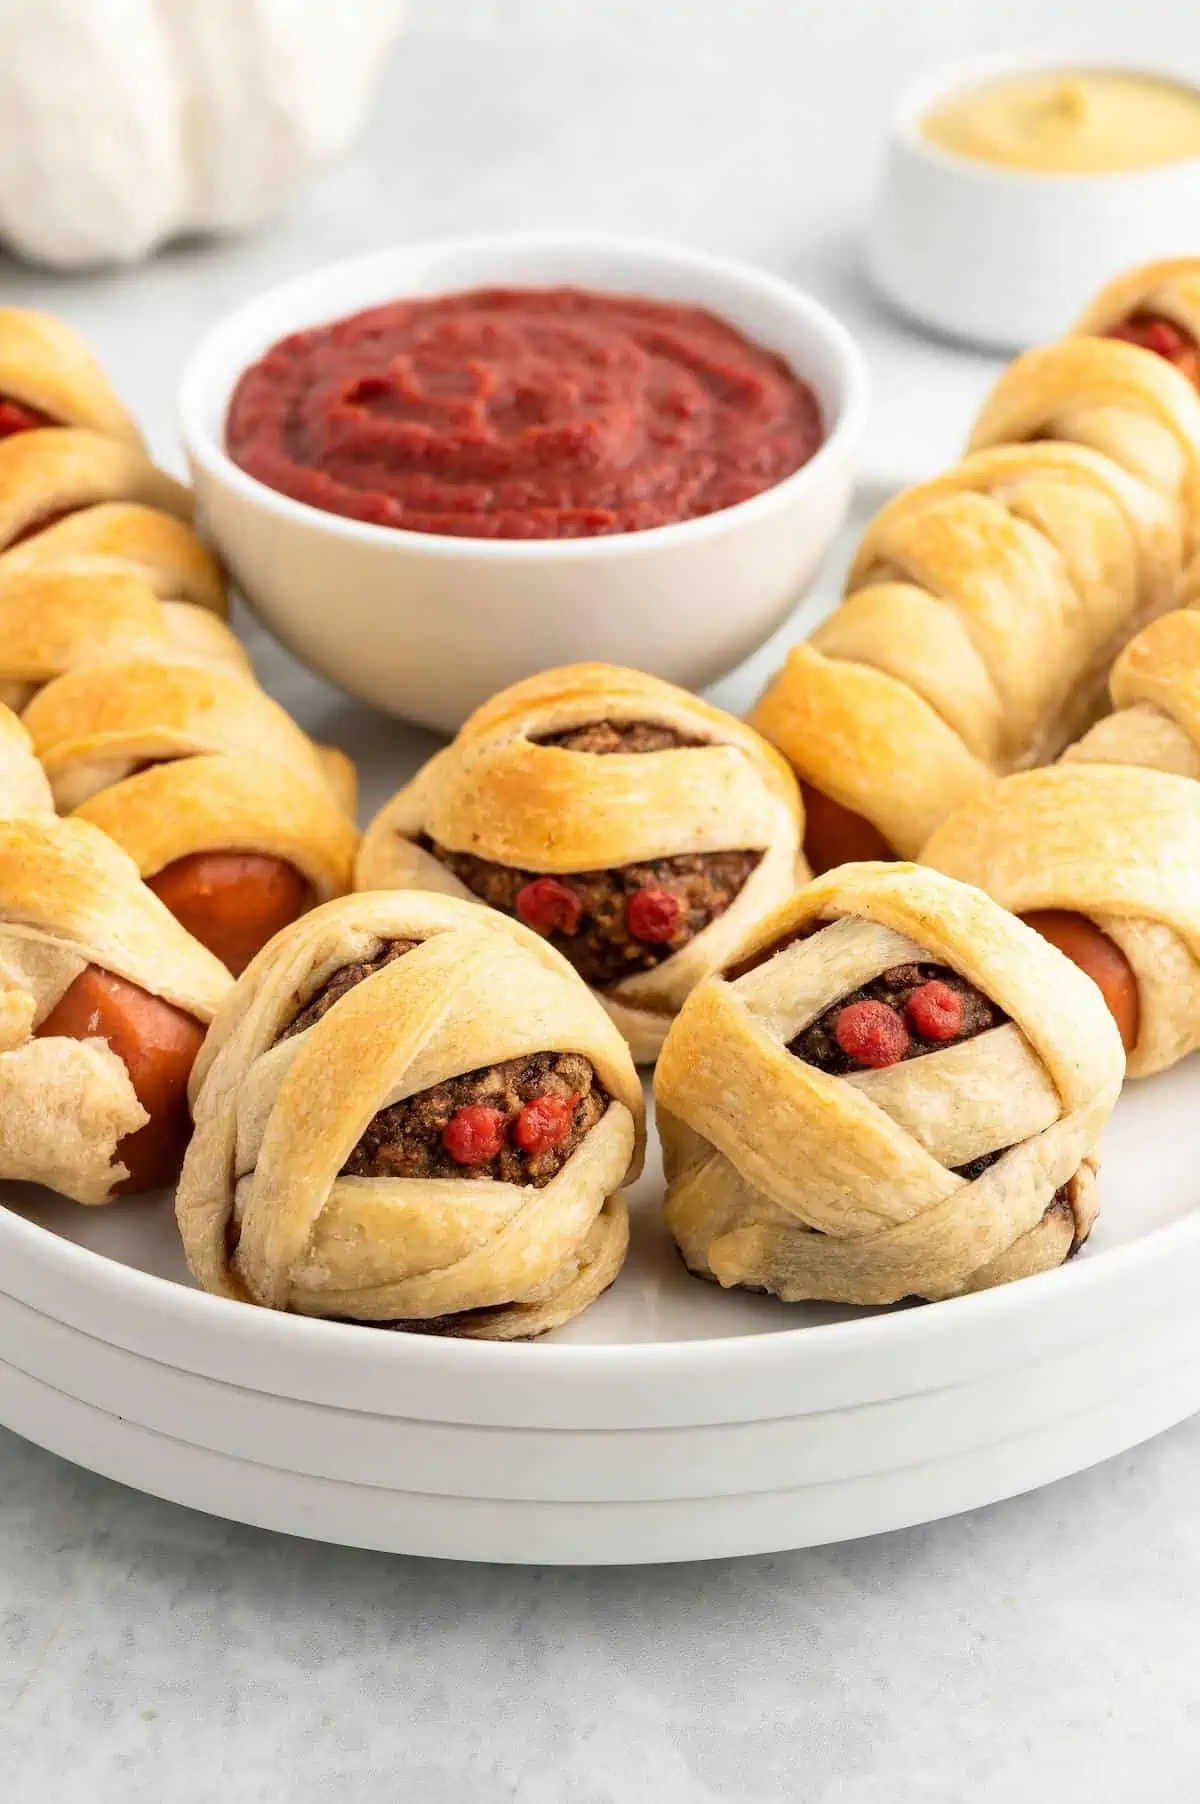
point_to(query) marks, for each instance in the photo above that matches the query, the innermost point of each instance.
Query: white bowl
(1008, 257)
(428, 626)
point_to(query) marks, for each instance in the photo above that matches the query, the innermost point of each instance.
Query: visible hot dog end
(1100, 957)
(233, 902)
(835, 835)
(158, 1044)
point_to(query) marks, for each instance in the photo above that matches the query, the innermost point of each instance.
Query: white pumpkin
(124, 123)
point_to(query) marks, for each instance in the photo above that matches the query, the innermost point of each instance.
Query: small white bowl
(1008, 257)
(428, 626)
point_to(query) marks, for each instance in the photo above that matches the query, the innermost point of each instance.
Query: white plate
(672, 1420)
(533, 1532)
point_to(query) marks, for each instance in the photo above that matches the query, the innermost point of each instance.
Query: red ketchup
(510, 413)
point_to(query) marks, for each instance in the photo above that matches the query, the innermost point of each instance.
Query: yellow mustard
(1071, 122)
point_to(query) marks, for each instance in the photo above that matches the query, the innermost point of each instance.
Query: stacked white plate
(671, 1421)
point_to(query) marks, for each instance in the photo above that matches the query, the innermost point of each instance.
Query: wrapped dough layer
(23, 785)
(983, 610)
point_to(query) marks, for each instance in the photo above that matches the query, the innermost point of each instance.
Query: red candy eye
(544, 1123)
(872, 1034)
(936, 1011)
(474, 1135)
(548, 906)
(653, 915)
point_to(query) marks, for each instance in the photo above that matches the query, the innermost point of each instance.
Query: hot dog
(834, 835)
(1165, 339)
(158, 1044)
(1101, 958)
(232, 902)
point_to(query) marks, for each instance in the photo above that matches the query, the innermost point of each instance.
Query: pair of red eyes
(475, 1134)
(548, 906)
(875, 1034)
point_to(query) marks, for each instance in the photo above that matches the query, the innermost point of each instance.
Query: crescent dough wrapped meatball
(103, 1004)
(897, 1091)
(411, 1112)
(637, 828)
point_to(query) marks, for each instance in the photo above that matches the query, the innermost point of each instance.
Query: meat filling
(597, 919)
(907, 991)
(615, 923)
(517, 1122)
(602, 737)
(556, 1093)
(343, 980)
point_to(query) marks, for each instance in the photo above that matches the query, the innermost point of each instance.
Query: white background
(1043, 1649)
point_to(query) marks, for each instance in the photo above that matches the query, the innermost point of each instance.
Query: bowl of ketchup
(440, 468)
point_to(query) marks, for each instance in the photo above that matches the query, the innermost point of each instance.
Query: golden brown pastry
(896, 1091)
(58, 471)
(635, 827)
(127, 538)
(97, 504)
(23, 785)
(1111, 848)
(1156, 306)
(104, 1000)
(1155, 691)
(410, 1112)
(142, 704)
(982, 612)
(233, 816)
(1067, 878)
(84, 611)
(1116, 395)
(48, 377)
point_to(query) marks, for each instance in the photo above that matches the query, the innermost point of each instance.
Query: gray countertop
(1043, 1648)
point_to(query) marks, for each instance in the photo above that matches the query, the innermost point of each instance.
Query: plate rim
(213, 1336)
(582, 1533)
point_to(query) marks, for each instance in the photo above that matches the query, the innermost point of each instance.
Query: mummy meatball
(411, 1113)
(637, 829)
(896, 1090)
